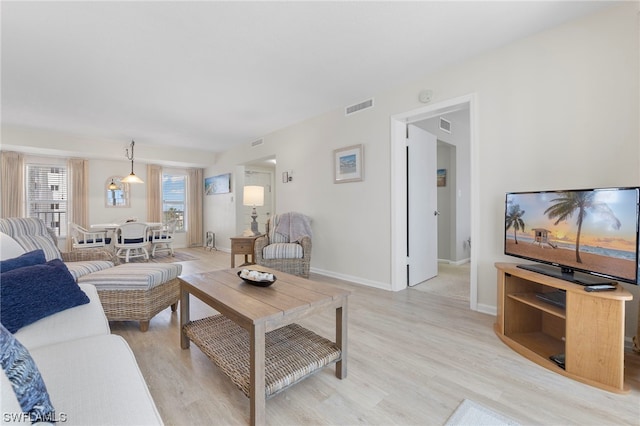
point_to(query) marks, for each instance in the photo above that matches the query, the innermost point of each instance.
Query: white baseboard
(487, 309)
(455, 262)
(352, 279)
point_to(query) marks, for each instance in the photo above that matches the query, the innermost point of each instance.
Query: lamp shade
(132, 178)
(112, 186)
(253, 196)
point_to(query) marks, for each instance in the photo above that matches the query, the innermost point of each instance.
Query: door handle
(436, 213)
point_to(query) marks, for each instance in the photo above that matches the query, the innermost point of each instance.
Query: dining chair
(131, 241)
(83, 238)
(162, 238)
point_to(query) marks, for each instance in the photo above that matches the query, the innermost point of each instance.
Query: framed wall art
(348, 164)
(220, 184)
(442, 177)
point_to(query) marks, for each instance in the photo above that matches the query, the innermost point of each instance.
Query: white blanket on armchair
(294, 225)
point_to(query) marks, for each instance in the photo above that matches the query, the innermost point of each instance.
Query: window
(174, 190)
(47, 195)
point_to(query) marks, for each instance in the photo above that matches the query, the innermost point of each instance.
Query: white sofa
(91, 376)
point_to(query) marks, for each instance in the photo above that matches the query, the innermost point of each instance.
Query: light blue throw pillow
(25, 379)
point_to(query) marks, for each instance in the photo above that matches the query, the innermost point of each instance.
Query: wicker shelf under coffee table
(255, 340)
(292, 352)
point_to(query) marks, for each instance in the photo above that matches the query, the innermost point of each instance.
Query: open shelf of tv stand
(589, 330)
(531, 300)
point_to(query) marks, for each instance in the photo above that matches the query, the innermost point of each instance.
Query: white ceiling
(211, 75)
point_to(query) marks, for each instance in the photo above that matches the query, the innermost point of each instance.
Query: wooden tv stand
(589, 331)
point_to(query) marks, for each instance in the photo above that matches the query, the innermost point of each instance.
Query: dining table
(113, 226)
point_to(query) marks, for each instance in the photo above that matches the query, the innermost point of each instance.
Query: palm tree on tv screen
(514, 220)
(580, 201)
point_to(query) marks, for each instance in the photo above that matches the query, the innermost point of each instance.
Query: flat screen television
(586, 236)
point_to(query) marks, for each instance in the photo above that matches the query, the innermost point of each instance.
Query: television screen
(592, 231)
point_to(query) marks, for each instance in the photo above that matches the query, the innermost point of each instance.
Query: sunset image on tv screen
(591, 230)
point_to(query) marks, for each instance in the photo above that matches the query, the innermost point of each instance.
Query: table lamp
(253, 196)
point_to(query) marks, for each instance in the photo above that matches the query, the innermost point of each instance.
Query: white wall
(99, 171)
(566, 98)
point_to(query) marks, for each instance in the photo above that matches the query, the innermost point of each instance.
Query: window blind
(47, 195)
(174, 199)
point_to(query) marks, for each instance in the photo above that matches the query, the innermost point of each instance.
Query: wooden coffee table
(255, 340)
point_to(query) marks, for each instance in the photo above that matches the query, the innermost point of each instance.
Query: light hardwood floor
(414, 355)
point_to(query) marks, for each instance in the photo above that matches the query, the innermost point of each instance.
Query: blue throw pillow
(34, 292)
(25, 378)
(35, 257)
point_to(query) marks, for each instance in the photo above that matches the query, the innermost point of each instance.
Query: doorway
(399, 223)
(263, 178)
(259, 172)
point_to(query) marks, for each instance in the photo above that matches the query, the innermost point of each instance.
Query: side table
(243, 245)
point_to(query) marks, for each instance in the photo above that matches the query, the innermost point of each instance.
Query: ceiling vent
(358, 107)
(257, 143)
(445, 125)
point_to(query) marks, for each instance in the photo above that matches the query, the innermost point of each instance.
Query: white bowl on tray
(257, 278)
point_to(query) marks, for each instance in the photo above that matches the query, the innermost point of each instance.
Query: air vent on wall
(445, 125)
(257, 143)
(358, 107)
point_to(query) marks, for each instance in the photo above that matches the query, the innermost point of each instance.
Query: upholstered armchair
(286, 246)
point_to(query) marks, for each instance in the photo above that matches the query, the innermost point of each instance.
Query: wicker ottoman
(137, 291)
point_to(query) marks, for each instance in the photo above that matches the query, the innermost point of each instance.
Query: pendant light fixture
(132, 178)
(112, 186)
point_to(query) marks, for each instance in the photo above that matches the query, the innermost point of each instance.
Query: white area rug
(473, 414)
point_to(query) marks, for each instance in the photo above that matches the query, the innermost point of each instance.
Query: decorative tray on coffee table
(257, 278)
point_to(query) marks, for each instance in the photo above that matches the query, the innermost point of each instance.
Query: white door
(422, 208)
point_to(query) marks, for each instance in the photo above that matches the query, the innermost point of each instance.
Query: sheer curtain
(195, 193)
(12, 184)
(154, 193)
(78, 194)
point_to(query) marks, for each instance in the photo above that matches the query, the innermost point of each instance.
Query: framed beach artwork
(442, 177)
(220, 184)
(348, 164)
